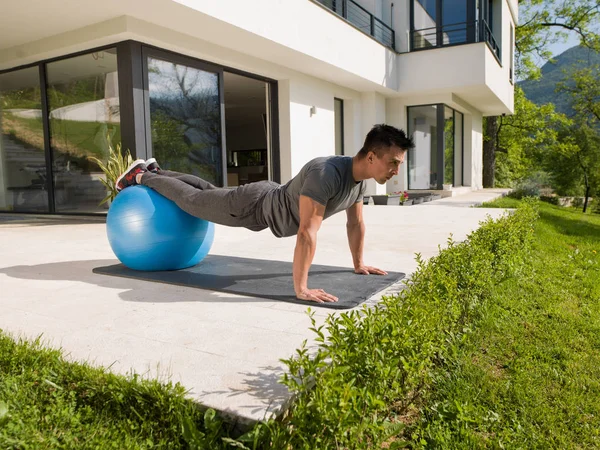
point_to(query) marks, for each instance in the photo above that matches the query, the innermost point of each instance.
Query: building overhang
(300, 36)
(471, 72)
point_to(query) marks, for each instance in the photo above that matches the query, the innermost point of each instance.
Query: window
(84, 118)
(448, 145)
(422, 159)
(338, 106)
(437, 158)
(458, 148)
(23, 173)
(185, 118)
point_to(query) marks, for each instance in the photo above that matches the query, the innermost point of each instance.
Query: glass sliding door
(454, 21)
(84, 118)
(185, 116)
(423, 158)
(437, 23)
(437, 159)
(23, 173)
(424, 24)
(247, 129)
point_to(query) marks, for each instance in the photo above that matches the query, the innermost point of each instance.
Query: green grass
(48, 403)
(528, 376)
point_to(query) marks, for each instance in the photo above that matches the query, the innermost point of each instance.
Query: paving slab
(224, 348)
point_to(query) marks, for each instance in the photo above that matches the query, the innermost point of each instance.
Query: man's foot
(152, 165)
(128, 178)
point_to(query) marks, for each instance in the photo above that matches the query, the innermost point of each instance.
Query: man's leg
(231, 207)
(192, 180)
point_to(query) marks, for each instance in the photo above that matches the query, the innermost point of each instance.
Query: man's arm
(311, 217)
(355, 227)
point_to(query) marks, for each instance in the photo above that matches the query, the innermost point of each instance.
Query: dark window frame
(474, 28)
(42, 66)
(150, 52)
(440, 120)
(131, 67)
(341, 100)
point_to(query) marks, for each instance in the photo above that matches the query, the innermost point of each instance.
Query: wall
(396, 116)
(313, 135)
(497, 77)
(460, 66)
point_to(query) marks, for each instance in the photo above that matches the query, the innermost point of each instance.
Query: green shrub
(371, 366)
(530, 186)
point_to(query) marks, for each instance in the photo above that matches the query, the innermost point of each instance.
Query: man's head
(383, 151)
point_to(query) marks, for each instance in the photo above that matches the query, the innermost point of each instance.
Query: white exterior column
(373, 112)
(473, 145)
(285, 140)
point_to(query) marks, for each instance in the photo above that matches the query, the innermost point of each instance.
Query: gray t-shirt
(327, 180)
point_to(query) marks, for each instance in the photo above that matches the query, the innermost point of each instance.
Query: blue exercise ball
(147, 231)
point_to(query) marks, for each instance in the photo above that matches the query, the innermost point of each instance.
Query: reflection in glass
(185, 114)
(448, 145)
(83, 102)
(23, 176)
(422, 160)
(454, 21)
(425, 24)
(458, 148)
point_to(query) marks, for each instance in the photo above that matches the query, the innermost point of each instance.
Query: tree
(542, 23)
(523, 137)
(576, 161)
(581, 145)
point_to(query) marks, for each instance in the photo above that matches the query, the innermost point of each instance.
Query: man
(323, 187)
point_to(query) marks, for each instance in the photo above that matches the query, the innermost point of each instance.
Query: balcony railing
(362, 19)
(455, 34)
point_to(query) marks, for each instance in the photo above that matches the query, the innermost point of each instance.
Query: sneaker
(127, 178)
(152, 165)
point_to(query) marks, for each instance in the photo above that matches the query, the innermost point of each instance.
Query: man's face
(388, 165)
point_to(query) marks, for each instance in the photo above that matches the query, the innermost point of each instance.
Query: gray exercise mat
(266, 279)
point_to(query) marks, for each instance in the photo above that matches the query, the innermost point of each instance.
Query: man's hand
(316, 295)
(366, 270)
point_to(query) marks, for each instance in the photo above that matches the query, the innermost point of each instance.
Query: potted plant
(386, 199)
(404, 200)
(115, 166)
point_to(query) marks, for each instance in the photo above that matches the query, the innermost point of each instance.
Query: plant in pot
(115, 166)
(387, 199)
(404, 198)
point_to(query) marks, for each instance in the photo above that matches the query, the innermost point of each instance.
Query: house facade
(237, 91)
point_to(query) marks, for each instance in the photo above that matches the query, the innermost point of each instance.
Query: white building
(243, 90)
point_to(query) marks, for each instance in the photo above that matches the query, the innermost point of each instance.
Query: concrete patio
(224, 348)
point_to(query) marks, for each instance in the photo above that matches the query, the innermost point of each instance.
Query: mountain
(543, 90)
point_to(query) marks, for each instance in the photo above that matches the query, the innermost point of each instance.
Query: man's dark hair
(382, 137)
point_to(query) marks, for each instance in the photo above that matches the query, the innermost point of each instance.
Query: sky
(557, 49)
